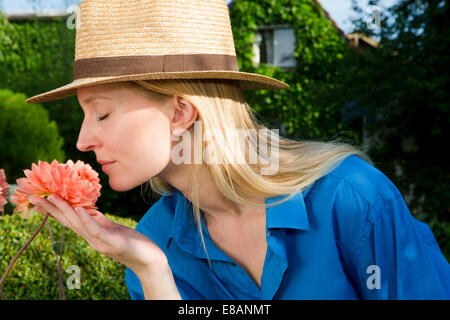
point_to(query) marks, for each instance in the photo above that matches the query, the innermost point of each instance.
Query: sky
(339, 10)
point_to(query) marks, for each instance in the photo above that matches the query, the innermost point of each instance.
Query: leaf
(57, 247)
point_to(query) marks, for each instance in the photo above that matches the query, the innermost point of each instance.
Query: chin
(121, 187)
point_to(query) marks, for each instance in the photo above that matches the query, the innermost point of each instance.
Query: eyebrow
(92, 98)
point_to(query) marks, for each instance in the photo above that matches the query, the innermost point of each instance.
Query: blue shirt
(350, 235)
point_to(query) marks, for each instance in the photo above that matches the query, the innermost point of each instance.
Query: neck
(213, 204)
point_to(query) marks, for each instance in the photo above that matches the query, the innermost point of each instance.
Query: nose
(86, 140)
(84, 147)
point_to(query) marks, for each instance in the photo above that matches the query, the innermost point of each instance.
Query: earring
(172, 134)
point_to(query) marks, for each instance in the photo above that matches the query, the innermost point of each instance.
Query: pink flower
(77, 183)
(86, 173)
(22, 203)
(4, 190)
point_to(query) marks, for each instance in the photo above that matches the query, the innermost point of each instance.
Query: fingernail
(38, 209)
(32, 198)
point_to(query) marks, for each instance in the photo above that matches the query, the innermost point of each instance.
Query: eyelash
(103, 118)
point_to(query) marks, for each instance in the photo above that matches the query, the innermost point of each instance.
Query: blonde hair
(222, 107)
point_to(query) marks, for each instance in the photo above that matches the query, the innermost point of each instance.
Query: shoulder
(353, 185)
(361, 192)
(356, 177)
(357, 194)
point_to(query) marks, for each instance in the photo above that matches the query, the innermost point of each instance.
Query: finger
(43, 211)
(79, 217)
(59, 202)
(59, 208)
(100, 235)
(39, 209)
(93, 212)
(65, 210)
(46, 206)
(41, 206)
(91, 226)
(101, 219)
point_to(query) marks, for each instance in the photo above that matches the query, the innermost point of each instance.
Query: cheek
(151, 140)
(142, 145)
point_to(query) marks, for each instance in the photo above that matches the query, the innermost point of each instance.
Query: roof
(327, 15)
(355, 38)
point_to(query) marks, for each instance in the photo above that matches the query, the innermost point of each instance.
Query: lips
(102, 162)
(107, 166)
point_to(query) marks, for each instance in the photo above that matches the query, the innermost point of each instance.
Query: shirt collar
(290, 214)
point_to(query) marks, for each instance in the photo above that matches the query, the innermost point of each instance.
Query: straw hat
(118, 40)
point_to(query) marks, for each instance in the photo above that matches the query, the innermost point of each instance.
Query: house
(275, 44)
(362, 42)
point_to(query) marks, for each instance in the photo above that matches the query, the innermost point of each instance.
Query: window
(275, 45)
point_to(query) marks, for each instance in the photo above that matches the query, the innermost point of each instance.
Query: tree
(404, 87)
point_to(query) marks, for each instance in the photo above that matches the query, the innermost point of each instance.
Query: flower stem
(20, 252)
(62, 295)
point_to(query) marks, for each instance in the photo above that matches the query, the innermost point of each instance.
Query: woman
(244, 214)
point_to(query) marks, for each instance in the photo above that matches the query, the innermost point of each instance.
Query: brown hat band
(127, 65)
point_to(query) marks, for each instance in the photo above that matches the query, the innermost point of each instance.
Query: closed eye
(103, 118)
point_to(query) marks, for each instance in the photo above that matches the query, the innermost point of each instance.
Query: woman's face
(124, 126)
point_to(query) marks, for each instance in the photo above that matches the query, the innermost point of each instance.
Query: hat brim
(247, 81)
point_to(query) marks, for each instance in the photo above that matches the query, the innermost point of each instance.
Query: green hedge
(34, 275)
(26, 135)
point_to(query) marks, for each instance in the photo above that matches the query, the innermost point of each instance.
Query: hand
(113, 240)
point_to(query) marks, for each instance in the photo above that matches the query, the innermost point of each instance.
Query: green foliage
(35, 56)
(38, 56)
(26, 135)
(35, 275)
(403, 85)
(311, 107)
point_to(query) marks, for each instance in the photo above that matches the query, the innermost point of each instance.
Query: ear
(185, 113)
